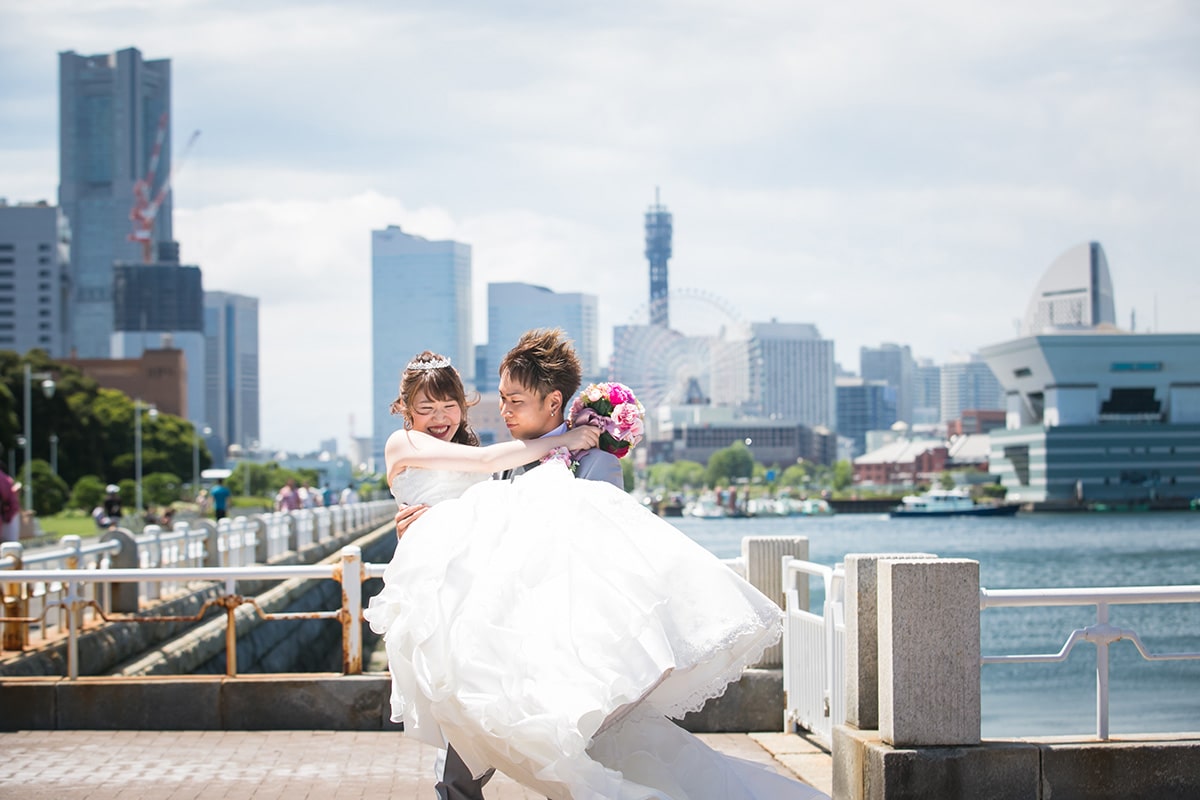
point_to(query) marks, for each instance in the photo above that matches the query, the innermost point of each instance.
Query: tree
(843, 475)
(946, 480)
(94, 425)
(87, 493)
(49, 490)
(161, 488)
(729, 464)
(658, 476)
(795, 476)
(627, 475)
(687, 475)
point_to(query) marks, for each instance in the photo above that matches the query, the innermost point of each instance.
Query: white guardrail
(159, 553)
(814, 643)
(1101, 634)
(814, 651)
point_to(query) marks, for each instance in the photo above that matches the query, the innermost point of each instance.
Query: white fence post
(352, 580)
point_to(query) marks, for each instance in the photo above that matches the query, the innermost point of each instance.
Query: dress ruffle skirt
(547, 626)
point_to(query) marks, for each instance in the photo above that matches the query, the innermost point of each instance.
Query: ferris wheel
(706, 356)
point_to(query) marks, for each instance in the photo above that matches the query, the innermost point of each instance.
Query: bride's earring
(408, 424)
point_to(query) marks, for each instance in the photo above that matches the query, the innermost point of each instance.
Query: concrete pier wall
(924, 741)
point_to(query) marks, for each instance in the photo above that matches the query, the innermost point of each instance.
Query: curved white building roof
(1074, 293)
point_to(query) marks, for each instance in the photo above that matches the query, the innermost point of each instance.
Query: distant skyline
(887, 172)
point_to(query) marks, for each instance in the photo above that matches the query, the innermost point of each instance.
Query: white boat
(948, 503)
(704, 507)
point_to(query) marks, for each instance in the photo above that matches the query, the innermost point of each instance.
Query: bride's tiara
(435, 364)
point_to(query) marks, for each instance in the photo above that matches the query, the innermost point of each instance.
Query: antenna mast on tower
(658, 251)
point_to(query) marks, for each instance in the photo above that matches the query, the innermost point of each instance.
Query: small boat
(949, 503)
(704, 507)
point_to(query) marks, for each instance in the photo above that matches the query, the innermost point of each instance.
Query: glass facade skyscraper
(110, 110)
(231, 383)
(514, 308)
(33, 264)
(892, 363)
(797, 373)
(420, 300)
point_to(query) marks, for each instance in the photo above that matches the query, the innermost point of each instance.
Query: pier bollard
(929, 652)
(763, 555)
(211, 544)
(260, 525)
(862, 636)
(123, 597)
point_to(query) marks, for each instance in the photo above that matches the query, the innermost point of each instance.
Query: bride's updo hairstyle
(432, 373)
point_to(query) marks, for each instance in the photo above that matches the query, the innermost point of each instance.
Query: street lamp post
(246, 455)
(54, 453)
(48, 389)
(138, 405)
(206, 432)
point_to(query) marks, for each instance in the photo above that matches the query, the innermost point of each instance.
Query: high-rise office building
(33, 278)
(863, 406)
(969, 383)
(927, 393)
(892, 363)
(113, 112)
(231, 382)
(514, 308)
(796, 373)
(162, 305)
(658, 252)
(420, 300)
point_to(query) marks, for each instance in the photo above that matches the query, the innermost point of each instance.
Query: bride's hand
(585, 437)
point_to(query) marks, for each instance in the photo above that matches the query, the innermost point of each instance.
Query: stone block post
(929, 652)
(258, 524)
(212, 549)
(123, 596)
(862, 636)
(763, 556)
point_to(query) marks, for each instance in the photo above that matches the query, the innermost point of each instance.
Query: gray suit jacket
(594, 465)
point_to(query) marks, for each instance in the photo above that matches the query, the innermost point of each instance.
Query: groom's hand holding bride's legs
(406, 516)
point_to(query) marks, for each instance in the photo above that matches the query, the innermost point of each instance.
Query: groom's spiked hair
(544, 360)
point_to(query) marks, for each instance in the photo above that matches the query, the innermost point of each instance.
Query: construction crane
(145, 208)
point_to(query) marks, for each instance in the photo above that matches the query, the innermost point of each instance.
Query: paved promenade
(281, 765)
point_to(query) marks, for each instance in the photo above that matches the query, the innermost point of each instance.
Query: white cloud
(890, 172)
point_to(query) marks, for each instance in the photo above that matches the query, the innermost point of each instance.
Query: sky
(887, 171)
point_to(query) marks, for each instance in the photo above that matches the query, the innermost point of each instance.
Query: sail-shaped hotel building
(1096, 416)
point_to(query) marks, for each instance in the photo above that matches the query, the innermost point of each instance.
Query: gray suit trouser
(456, 781)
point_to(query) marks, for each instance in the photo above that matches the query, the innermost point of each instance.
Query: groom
(538, 378)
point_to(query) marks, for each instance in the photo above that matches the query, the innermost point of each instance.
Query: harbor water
(1040, 551)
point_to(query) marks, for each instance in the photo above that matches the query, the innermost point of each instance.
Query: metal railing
(79, 587)
(1101, 633)
(34, 607)
(814, 652)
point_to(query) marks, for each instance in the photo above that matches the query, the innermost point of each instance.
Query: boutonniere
(563, 456)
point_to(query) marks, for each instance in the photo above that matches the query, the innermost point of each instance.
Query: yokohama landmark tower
(658, 250)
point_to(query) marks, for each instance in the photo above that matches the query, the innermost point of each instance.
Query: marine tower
(658, 251)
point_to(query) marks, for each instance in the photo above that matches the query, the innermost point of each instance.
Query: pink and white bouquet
(613, 407)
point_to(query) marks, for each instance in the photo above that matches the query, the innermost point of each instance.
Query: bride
(550, 627)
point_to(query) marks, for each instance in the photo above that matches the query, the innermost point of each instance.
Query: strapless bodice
(432, 486)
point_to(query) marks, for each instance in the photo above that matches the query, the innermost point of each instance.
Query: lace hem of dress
(716, 687)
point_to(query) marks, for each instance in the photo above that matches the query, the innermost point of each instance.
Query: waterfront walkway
(285, 765)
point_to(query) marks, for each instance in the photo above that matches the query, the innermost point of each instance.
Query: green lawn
(67, 523)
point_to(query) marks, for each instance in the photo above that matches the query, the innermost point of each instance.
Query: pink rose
(618, 394)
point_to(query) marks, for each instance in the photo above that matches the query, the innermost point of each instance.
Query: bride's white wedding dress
(548, 627)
